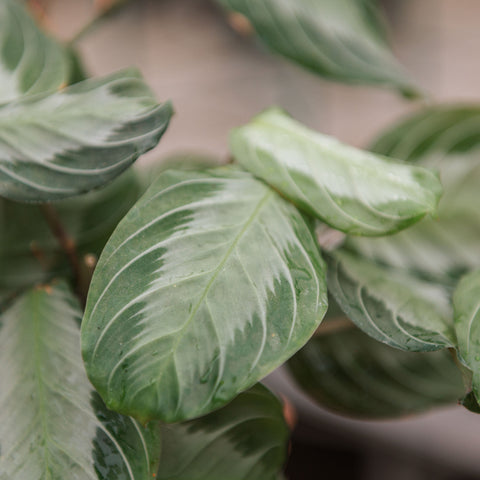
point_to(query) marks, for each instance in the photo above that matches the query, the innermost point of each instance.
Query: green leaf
(30, 254)
(339, 39)
(447, 139)
(349, 189)
(59, 145)
(246, 440)
(467, 325)
(52, 424)
(210, 282)
(30, 62)
(348, 372)
(389, 305)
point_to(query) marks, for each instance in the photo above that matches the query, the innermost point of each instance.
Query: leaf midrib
(38, 380)
(235, 242)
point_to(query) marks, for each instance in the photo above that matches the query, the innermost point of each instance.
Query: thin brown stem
(66, 243)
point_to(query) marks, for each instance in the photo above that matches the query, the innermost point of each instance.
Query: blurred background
(218, 79)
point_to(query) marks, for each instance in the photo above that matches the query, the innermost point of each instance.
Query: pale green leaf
(348, 372)
(349, 189)
(30, 62)
(466, 304)
(59, 145)
(246, 440)
(210, 282)
(53, 425)
(446, 138)
(339, 39)
(391, 306)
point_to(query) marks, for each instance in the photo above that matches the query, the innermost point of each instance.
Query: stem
(96, 20)
(67, 244)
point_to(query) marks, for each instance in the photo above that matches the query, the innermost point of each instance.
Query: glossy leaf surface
(350, 373)
(349, 189)
(210, 282)
(246, 440)
(53, 425)
(466, 303)
(340, 39)
(30, 62)
(441, 249)
(59, 145)
(391, 306)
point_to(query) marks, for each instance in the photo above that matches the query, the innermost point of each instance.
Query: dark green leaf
(246, 440)
(59, 145)
(210, 282)
(348, 372)
(349, 189)
(52, 424)
(391, 306)
(30, 62)
(340, 39)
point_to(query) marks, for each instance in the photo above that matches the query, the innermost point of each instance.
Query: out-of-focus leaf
(30, 254)
(466, 304)
(351, 190)
(391, 306)
(53, 425)
(441, 249)
(30, 62)
(210, 282)
(246, 440)
(348, 372)
(63, 144)
(340, 39)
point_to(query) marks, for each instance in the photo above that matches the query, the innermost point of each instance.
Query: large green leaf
(350, 373)
(210, 282)
(30, 62)
(52, 423)
(391, 306)
(466, 304)
(340, 39)
(59, 145)
(446, 138)
(349, 189)
(246, 440)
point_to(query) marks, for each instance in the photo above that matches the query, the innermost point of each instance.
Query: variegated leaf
(348, 372)
(391, 306)
(53, 425)
(59, 145)
(30, 62)
(445, 138)
(340, 39)
(246, 440)
(349, 189)
(466, 304)
(210, 282)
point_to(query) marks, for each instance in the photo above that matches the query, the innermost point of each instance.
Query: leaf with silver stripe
(62, 144)
(210, 282)
(52, 423)
(391, 306)
(351, 190)
(245, 440)
(30, 61)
